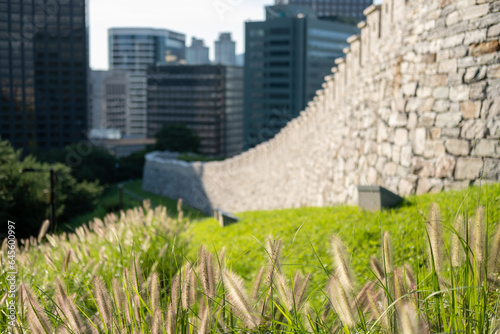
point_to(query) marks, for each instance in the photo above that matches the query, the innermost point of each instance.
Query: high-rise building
(134, 50)
(328, 8)
(197, 53)
(225, 50)
(208, 99)
(287, 57)
(109, 100)
(43, 73)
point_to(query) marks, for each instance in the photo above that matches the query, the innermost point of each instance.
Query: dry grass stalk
(457, 253)
(341, 266)
(103, 302)
(204, 325)
(377, 268)
(69, 309)
(341, 302)
(238, 297)
(258, 281)
(43, 230)
(283, 290)
(154, 293)
(479, 235)
(273, 248)
(493, 255)
(38, 320)
(300, 290)
(434, 229)
(156, 327)
(170, 316)
(67, 260)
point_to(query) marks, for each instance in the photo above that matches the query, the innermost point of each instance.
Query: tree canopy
(177, 138)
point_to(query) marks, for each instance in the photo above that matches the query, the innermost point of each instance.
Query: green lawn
(306, 232)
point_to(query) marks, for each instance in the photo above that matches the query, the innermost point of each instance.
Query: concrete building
(225, 50)
(109, 100)
(197, 53)
(43, 73)
(287, 57)
(134, 50)
(333, 8)
(208, 99)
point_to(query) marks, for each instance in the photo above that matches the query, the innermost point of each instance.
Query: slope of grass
(306, 232)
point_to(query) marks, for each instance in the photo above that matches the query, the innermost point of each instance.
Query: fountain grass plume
(479, 236)
(154, 293)
(434, 230)
(342, 269)
(257, 283)
(43, 230)
(341, 302)
(457, 252)
(493, 255)
(68, 308)
(238, 298)
(38, 320)
(273, 248)
(103, 302)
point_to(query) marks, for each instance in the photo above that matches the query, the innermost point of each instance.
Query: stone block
(473, 12)
(413, 104)
(484, 148)
(453, 18)
(424, 92)
(410, 89)
(468, 168)
(427, 120)
(459, 93)
(455, 185)
(478, 90)
(445, 167)
(450, 133)
(412, 121)
(396, 154)
(475, 36)
(390, 169)
(375, 198)
(429, 186)
(422, 167)
(453, 40)
(448, 120)
(457, 147)
(470, 109)
(405, 187)
(494, 30)
(473, 129)
(447, 66)
(419, 141)
(400, 137)
(482, 48)
(475, 74)
(441, 106)
(433, 148)
(397, 119)
(406, 154)
(492, 169)
(441, 93)
(493, 71)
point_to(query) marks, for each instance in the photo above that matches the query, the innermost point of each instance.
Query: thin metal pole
(52, 201)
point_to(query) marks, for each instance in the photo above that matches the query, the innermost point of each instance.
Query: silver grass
(154, 292)
(238, 297)
(300, 290)
(192, 287)
(493, 255)
(372, 300)
(479, 236)
(258, 281)
(103, 301)
(175, 291)
(273, 250)
(204, 325)
(341, 266)
(38, 321)
(388, 254)
(434, 230)
(283, 290)
(340, 301)
(136, 307)
(43, 229)
(457, 253)
(67, 260)
(157, 323)
(170, 316)
(407, 319)
(69, 308)
(120, 300)
(411, 283)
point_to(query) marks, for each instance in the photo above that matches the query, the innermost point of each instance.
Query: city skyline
(209, 17)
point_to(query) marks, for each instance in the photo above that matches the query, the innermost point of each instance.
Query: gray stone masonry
(414, 109)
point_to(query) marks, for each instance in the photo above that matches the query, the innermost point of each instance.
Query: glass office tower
(43, 73)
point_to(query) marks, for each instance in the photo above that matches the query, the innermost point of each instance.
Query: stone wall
(414, 107)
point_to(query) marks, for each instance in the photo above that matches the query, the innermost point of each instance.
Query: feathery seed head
(341, 266)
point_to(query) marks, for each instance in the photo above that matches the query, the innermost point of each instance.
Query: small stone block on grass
(375, 198)
(225, 218)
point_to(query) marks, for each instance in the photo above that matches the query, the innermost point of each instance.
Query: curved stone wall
(414, 107)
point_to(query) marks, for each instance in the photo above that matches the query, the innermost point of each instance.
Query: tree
(177, 138)
(24, 197)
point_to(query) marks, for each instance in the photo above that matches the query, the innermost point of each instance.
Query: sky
(203, 19)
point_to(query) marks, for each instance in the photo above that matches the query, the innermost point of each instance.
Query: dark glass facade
(208, 99)
(287, 57)
(43, 72)
(326, 8)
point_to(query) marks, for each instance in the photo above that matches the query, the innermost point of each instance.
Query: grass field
(138, 255)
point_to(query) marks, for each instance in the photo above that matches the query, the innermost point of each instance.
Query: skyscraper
(326, 8)
(208, 99)
(225, 50)
(43, 73)
(134, 50)
(197, 53)
(287, 57)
